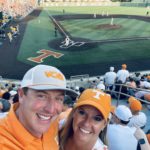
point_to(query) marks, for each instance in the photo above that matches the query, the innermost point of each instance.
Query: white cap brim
(69, 92)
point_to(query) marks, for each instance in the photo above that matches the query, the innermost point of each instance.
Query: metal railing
(119, 92)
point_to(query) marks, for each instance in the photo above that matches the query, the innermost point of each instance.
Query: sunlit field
(95, 58)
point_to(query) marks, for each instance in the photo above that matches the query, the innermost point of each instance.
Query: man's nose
(51, 106)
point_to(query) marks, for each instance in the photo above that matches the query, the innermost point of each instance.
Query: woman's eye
(98, 118)
(81, 112)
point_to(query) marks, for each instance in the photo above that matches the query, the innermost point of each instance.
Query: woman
(85, 128)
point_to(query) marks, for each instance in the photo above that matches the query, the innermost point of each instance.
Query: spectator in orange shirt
(85, 128)
(29, 125)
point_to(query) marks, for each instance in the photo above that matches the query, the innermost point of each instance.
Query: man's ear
(20, 94)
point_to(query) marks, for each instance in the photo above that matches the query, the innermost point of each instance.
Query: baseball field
(100, 37)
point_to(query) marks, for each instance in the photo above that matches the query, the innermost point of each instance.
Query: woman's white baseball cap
(44, 77)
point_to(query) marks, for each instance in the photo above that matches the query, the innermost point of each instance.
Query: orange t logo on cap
(53, 74)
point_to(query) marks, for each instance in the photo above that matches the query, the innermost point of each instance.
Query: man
(119, 135)
(101, 85)
(67, 41)
(29, 125)
(123, 74)
(110, 78)
(55, 31)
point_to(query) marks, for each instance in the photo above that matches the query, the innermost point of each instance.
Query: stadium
(96, 46)
(82, 38)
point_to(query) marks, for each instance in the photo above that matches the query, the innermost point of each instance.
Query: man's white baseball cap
(44, 77)
(123, 113)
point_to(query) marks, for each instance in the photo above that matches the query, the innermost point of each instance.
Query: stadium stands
(18, 8)
(75, 82)
(81, 3)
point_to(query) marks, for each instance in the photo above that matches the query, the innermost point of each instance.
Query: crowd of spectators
(17, 9)
(116, 83)
(121, 84)
(8, 96)
(10, 11)
(126, 123)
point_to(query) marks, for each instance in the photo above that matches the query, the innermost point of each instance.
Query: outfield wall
(94, 3)
(80, 3)
(134, 4)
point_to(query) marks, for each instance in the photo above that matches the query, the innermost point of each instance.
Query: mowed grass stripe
(76, 27)
(146, 29)
(71, 26)
(86, 28)
(126, 28)
(136, 29)
(143, 29)
(76, 24)
(129, 28)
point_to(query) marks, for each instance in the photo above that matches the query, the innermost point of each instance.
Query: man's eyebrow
(46, 92)
(62, 94)
(40, 91)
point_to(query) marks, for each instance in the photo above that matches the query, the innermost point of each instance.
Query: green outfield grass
(98, 10)
(88, 28)
(41, 30)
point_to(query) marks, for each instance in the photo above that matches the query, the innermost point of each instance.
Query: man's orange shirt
(13, 136)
